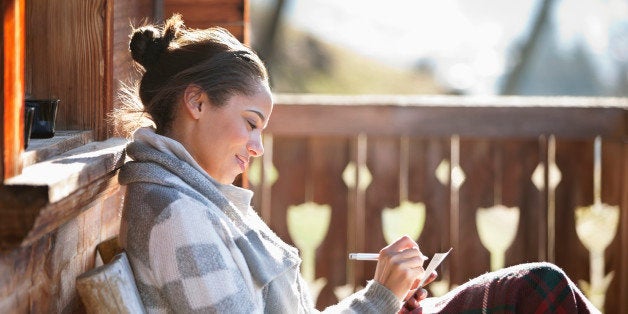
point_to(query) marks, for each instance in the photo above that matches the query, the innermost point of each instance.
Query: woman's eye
(252, 125)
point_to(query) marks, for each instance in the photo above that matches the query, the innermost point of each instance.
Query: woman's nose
(255, 146)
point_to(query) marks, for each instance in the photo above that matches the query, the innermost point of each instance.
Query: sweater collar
(266, 255)
(146, 135)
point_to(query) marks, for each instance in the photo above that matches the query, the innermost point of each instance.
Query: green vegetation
(303, 64)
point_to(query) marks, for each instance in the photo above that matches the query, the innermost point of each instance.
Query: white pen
(368, 256)
(364, 256)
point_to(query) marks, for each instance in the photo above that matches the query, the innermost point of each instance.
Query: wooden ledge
(41, 149)
(49, 193)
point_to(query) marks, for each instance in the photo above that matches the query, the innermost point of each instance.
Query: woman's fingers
(399, 266)
(412, 305)
(431, 278)
(401, 244)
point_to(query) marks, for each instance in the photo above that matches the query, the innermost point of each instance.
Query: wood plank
(198, 15)
(71, 170)
(102, 127)
(517, 161)
(330, 156)
(202, 2)
(126, 14)
(356, 227)
(622, 271)
(12, 98)
(425, 155)
(230, 14)
(29, 223)
(63, 141)
(290, 157)
(40, 277)
(34, 204)
(613, 175)
(477, 191)
(383, 163)
(574, 158)
(500, 117)
(55, 69)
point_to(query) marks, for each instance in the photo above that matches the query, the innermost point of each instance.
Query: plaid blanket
(525, 288)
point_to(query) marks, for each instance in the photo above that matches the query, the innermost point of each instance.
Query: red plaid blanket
(525, 288)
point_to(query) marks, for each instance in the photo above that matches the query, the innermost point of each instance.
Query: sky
(467, 41)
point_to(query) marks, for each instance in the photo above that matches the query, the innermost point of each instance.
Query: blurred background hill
(310, 65)
(480, 47)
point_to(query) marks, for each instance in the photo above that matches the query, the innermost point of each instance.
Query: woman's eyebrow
(259, 114)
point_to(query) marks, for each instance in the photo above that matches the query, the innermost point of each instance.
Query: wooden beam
(32, 204)
(622, 274)
(12, 99)
(499, 117)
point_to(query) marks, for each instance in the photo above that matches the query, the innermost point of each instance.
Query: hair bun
(147, 43)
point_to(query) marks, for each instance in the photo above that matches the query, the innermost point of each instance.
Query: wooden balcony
(502, 180)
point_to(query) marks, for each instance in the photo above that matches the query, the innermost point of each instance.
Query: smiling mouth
(243, 162)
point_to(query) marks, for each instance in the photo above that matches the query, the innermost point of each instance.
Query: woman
(193, 240)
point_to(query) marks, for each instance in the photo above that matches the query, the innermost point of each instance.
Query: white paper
(436, 260)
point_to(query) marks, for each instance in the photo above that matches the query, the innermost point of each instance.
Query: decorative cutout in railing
(596, 226)
(497, 228)
(308, 224)
(406, 219)
(364, 176)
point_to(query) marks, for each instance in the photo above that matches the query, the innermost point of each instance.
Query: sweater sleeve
(192, 264)
(374, 298)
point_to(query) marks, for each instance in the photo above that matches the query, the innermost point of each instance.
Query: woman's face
(225, 138)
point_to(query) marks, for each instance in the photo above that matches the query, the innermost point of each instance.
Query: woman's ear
(193, 100)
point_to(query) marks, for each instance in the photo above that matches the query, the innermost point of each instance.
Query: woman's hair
(173, 58)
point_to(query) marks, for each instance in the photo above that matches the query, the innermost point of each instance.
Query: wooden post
(12, 99)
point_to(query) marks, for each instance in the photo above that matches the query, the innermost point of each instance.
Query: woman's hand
(400, 266)
(412, 304)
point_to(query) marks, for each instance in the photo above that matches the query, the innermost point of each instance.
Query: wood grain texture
(69, 58)
(290, 157)
(574, 158)
(614, 180)
(382, 161)
(127, 14)
(229, 14)
(622, 272)
(425, 155)
(498, 169)
(63, 141)
(40, 277)
(34, 204)
(12, 98)
(328, 159)
(502, 117)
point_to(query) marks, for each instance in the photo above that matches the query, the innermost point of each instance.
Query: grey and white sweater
(196, 245)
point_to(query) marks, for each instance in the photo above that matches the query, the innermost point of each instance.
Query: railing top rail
(441, 116)
(452, 101)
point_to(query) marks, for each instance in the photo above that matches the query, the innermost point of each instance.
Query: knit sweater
(196, 245)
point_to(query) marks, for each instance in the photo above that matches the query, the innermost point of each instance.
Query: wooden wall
(69, 53)
(40, 277)
(68, 57)
(77, 51)
(230, 14)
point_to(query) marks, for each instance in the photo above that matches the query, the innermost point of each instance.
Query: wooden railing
(502, 180)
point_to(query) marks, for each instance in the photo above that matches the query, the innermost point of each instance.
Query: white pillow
(110, 288)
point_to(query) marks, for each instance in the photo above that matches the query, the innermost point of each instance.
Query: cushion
(110, 288)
